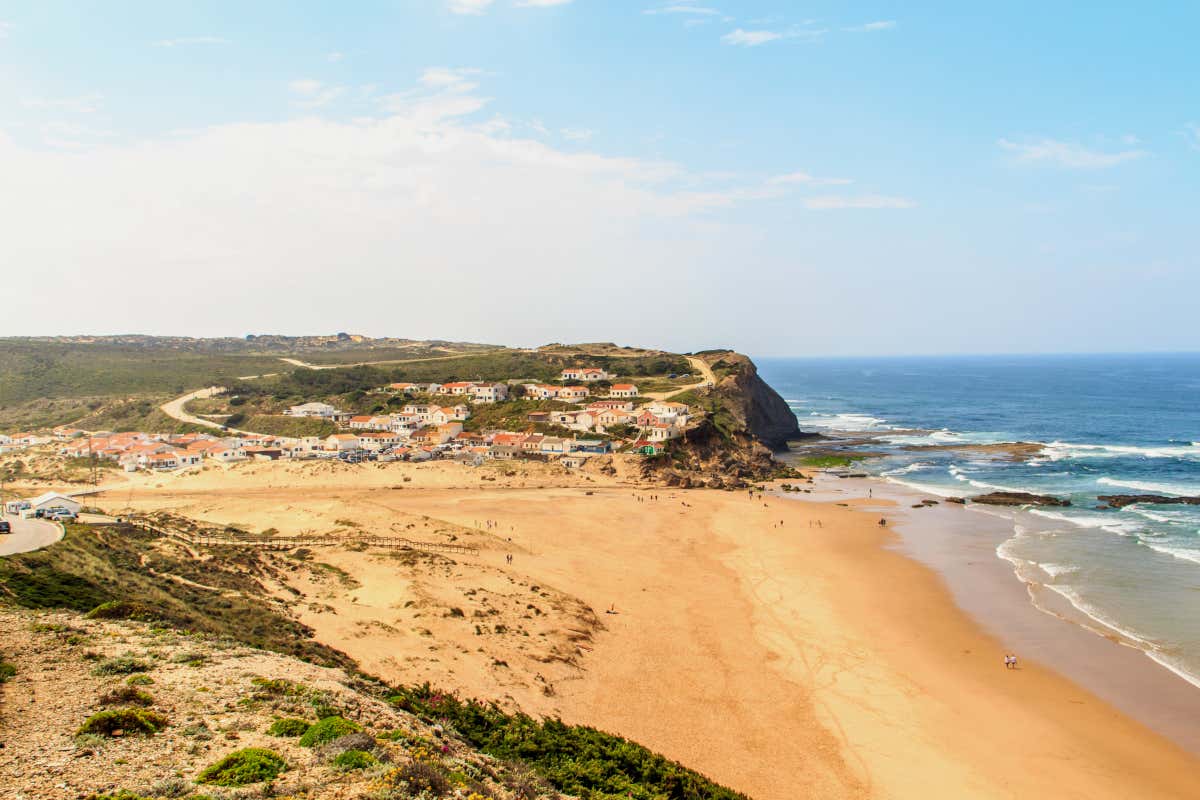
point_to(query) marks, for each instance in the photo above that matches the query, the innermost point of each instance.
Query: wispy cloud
(314, 94)
(468, 6)
(753, 38)
(803, 178)
(683, 8)
(871, 27)
(835, 202)
(186, 41)
(1067, 154)
(450, 79)
(746, 38)
(83, 104)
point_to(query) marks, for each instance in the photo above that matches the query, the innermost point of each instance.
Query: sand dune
(782, 659)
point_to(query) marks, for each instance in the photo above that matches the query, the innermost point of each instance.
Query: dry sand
(782, 659)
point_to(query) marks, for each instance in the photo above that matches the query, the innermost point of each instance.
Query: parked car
(62, 514)
(5, 526)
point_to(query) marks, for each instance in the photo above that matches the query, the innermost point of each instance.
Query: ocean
(1109, 424)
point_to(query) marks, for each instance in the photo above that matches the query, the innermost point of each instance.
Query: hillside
(143, 695)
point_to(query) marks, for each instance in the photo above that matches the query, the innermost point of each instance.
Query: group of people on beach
(1010, 661)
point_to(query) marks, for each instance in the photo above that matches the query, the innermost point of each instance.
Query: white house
(623, 390)
(586, 374)
(341, 442)
(489, 392)
(573, 394)
(54, 500)
(322, 410)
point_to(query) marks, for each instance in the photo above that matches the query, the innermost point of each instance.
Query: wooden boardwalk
(210, 538)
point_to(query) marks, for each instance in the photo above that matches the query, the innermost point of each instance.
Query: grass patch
(7, 671)
(126, 696)
(354, 759)
(289, 726)
(122, 665)
(328, 729)
(128, 721)
(828, 462)
(242, 767)
(575, 759)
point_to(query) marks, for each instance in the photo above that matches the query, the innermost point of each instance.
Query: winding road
(28, 535)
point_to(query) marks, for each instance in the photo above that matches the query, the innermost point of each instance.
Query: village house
(504, 452)
(661, 432)
(538, 417)
(552, 445)
(320, 410)
(456, 388)
(572, 394)
(403, 388)
(541, 391)
(341, 443)
(532, 443)
(54, 500)
(368, 422)
(379, 440)
(586, 374)
(623, 390)
(574, 460)
(489, 392)
(623, 405)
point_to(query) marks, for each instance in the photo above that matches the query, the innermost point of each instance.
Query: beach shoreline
(781, 645)
(963, 544)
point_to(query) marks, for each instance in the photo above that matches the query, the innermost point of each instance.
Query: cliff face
(767, 415)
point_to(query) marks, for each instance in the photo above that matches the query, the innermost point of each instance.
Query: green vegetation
(827, 461)
(122, 665)
(354, 759)
(126, 696)
(93, 567)
(242, 767)
(127, 720)
(326, 730)
(7, 671)
(575, 759)
(512, 415)
(140, 680)
(289, 726)
(119, 609)
(278, 425)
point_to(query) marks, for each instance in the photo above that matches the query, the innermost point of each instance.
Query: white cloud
(750, 38)
(468, 6)
(191, 40)
(754, 38)
(540, 3)
(84, 104)
(831, 202)
(1067, 154)
(313, 93)
(798, 178)
(457, 80)
(683, 8)
(871, 27)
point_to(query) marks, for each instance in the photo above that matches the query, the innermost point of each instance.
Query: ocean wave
(1110, 523)
(1147, 486)
(962, 475)
(845, 422)
(1054, 570)
(915, 467)
(1056, 451)
(1163, 660)
(1167, 518)
(920, 487)
(1072, 595)
(1181, 553)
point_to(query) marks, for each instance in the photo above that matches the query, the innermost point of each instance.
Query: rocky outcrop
(766, 415)
(1019, 499)
(1122, 500)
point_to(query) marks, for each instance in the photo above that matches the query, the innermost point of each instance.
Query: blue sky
(785, 178)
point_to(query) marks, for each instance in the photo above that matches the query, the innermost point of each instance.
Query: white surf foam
(1181, 553)
(1054, 570)
(1147, 486)
(1064, 450)
(1072, 595)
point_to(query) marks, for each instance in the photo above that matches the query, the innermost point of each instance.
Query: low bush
(327, 730)
(139, 680)
(7, 671)
(289, 726)
(124, 720)
(126, 696)
(354, 759)
(122, 665)
(415, 779)
(251, 765)
(120, 609)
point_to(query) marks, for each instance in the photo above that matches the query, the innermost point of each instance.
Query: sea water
(1109, 424)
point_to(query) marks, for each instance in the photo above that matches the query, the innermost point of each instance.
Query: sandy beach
(779, 656)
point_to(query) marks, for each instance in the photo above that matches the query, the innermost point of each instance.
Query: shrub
(289, 726)
(119, 609)
(126, 695)
(123, 665)
(127, 720)
(354, 759)
(251, 765)
(7, 670)
(327, 730)
(351, 741)
(139, 680)
(418, 777)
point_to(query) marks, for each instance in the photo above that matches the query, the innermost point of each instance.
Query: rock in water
(1019, 499)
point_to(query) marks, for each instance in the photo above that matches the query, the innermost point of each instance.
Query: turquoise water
(1127, 424)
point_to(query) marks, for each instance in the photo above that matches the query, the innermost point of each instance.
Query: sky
(784, 178)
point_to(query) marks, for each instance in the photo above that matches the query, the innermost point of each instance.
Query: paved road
(28, 534)
(174, 408)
